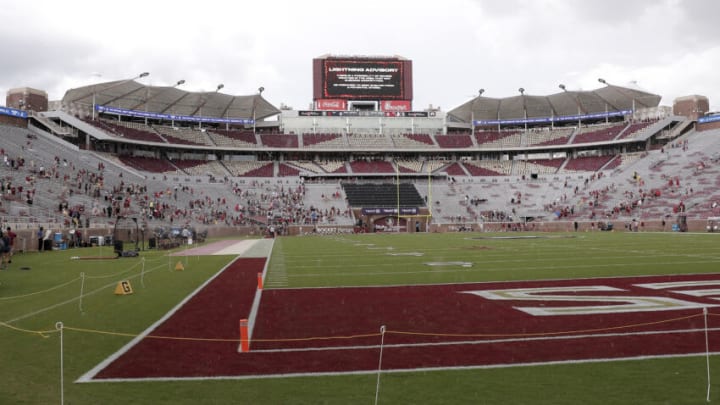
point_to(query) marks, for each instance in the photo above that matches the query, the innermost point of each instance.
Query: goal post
(399, 213)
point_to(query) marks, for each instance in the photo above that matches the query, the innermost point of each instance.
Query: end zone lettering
(619, 302)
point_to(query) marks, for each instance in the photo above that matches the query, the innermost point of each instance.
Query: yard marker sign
(123, 288)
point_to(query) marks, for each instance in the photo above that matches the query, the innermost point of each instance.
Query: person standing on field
(4, 250)
(11, 238)
(40, 234)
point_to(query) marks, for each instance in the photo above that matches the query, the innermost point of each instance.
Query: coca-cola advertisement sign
(331, 104)
(395, 105)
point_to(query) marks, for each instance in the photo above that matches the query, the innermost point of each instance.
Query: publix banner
(169, 117)
(554, 119)
(13, 112)
(709, 118)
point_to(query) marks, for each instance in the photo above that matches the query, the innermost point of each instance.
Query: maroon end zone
(431, 326)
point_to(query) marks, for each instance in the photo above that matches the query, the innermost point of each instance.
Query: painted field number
(604, 304)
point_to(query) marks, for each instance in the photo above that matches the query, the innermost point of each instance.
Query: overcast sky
(669, 47)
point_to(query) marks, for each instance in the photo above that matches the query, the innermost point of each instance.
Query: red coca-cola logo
(331, 104)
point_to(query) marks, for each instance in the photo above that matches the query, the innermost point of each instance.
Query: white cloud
(457, 46)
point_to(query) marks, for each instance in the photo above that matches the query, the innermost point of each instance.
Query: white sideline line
(486, 341)
(484, 270)
(409, 370)
(87, 377)
(466, 283)
(258, 295)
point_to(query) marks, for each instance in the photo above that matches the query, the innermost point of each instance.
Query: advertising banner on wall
(395, 105)
(13, 112)
(390, 211)
(331, 104)
(170, 117)
(547, 120)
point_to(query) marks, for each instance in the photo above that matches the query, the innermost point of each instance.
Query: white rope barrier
(40, 292)
(142, 273)
(82, 288)
(115, 274)
(382, 342)
(707, 352)
(59, 327)
(59, 304)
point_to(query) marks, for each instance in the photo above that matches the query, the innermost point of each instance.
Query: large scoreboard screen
(361, 78)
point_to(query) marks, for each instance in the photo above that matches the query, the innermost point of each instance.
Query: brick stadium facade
(28, 99)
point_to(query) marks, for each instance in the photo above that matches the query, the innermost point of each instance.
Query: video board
(359, 79)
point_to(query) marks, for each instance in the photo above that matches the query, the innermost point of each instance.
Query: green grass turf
(29, 371)
(367, 260)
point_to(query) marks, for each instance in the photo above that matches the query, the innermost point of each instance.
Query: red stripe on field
(213, 313)
(437, 309)
(445, 309)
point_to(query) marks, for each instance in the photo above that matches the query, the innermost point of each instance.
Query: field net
(126, 236)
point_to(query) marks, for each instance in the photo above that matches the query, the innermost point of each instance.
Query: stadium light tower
(472, 110)
(607, 119)
(260, 92)
(577, 102)
(172, 106)
(140, 76)
(205, 98)
(522, 94)
(552, 111)
(148, 97)
(178, 83)
(603, 81)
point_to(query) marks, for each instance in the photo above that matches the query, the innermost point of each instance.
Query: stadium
(183, 247)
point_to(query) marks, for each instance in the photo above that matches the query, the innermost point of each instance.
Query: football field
(424, 318)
